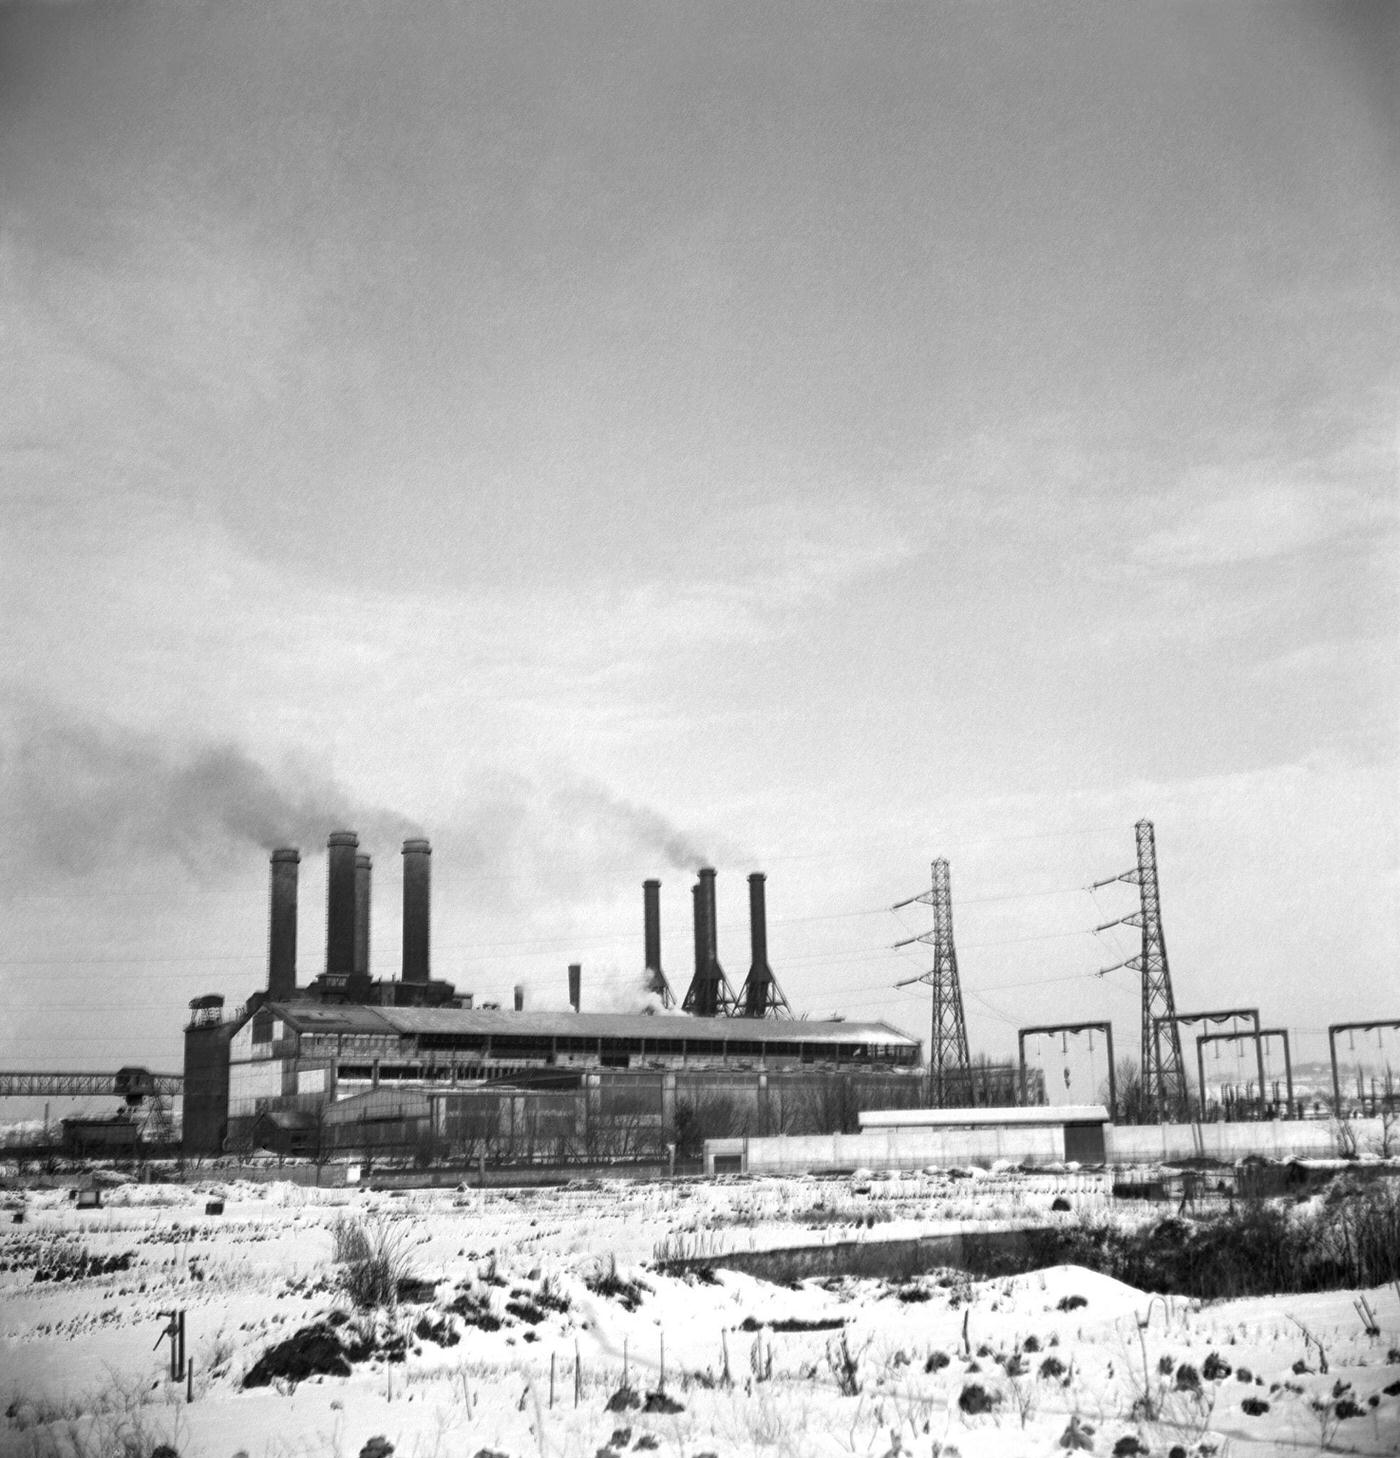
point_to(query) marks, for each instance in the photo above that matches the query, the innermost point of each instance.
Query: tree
(1132, 1106)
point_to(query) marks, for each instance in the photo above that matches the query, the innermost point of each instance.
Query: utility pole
(949, 1068)
(1163, 1072)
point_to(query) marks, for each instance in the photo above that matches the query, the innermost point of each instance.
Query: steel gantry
(1372, 1027)
(1223, 1015)
(1257, 1036)
(1071, 1030)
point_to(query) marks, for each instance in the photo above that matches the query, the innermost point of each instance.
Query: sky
(813, 438)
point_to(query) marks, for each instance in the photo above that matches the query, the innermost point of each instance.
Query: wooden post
(551, 1381)
(578, 1373)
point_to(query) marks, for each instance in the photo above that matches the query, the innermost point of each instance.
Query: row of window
(509, 1046)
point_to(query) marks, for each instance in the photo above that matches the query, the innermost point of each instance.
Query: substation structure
(1257, 1036)
(1068, 1030)
(1389, 1097)
(347, 1064)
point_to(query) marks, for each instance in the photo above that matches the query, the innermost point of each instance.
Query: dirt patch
(317, 1350)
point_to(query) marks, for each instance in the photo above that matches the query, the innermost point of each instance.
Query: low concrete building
(912, 1138)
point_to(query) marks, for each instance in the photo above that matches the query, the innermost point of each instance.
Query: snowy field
(538, 1323)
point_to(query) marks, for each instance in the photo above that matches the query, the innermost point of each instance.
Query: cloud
(1231, 523)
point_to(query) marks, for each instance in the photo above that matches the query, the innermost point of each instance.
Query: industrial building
(409, 1065)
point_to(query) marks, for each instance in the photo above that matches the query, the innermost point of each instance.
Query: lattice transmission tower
(1163, 1072)
(950, 1069)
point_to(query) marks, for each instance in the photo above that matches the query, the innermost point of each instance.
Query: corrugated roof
(540, 1024)
(331, 1017)
(349, 1017)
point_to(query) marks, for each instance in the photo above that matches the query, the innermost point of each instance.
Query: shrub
(974, 1399)
(374, 1264)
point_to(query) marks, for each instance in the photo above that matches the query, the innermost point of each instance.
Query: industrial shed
(559, 1084)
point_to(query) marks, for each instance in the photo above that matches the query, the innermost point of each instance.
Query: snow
(84, 1355)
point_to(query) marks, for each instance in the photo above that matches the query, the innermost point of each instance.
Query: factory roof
(360, 1018)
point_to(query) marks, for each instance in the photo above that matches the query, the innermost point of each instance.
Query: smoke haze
(81, 795)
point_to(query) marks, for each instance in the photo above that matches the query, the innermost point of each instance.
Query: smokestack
(695, 998)
(416, 873)
(709, 994)
(575, 985)
(707, 895)
(340, 903)
(282, 925)
(762, 997)
(655, 979)
(362, 874)
(651, 922)
(519, 998)
(755, 998)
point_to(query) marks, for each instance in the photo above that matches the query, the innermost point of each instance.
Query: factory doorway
(1084, 1143)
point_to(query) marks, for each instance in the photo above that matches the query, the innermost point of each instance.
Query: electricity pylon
(949, 1068)
(1163, 1072)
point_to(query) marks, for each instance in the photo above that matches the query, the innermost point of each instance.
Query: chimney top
(286, 853)
(343, 837)
(417, 846)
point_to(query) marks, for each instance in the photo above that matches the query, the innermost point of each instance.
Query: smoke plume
(634, 827)
(81, 795)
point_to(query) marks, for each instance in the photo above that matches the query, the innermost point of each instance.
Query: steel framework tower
(950, 1069)
(1163, 1072)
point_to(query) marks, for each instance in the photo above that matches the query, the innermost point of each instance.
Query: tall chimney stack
(655, 981)
(755, 998)
(651, 925)
(761, 997)
(707, 895)
(340, 903)
(416, 909)
(519, 997)
(575, 985)
(710, 994)
(362, 876)
(282, 925)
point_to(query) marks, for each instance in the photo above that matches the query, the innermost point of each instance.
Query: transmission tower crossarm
(907, 942)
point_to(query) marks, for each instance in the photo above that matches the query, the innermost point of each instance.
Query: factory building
(348, 1063)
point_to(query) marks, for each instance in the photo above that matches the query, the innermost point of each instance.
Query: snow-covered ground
(532, 1310)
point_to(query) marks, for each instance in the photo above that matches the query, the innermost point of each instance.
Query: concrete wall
(912, 1148)
(1271, 1138)
(889, 1149)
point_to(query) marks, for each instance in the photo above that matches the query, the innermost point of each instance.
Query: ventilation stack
(710, 994)
(282, 925)
(761, 997)
(340, 905)
(416, 909)
(575, 985)
(363, 866)
(655, 981)
(519, 997)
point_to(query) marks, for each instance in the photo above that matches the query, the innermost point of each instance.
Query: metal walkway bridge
(132, 1084)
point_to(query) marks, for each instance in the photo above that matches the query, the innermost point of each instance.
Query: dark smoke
(634, 827)
(80, 795)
